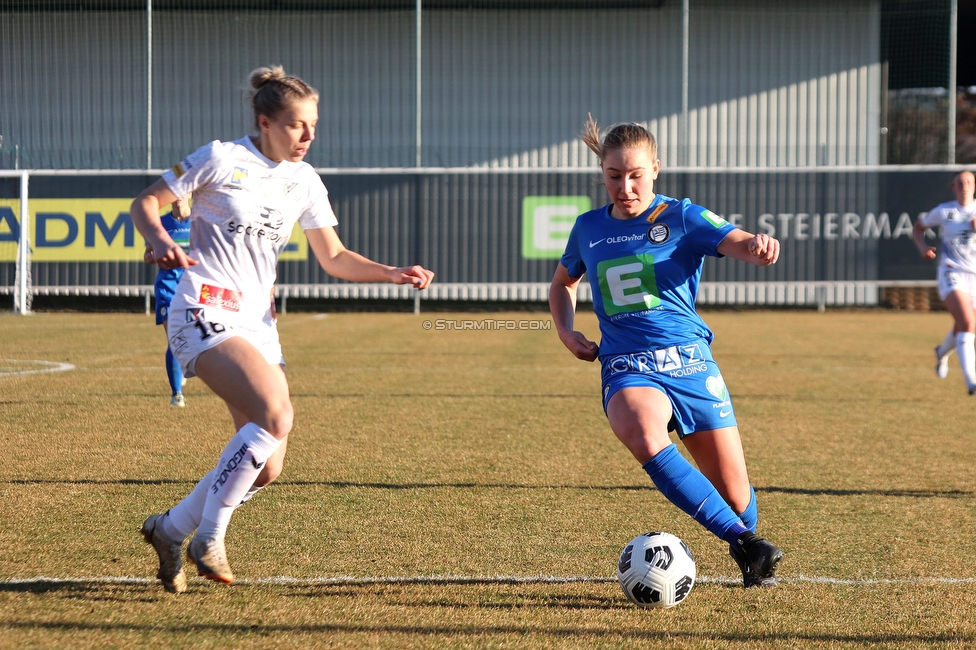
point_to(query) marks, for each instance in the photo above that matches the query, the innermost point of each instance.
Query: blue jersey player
(643, 254)
(177, 224)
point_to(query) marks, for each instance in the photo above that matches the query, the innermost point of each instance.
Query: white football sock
(967, 356)
(184, 517)
(948, 345)
(240, 464)
(254, 489)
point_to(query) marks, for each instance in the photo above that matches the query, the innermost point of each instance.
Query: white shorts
(189, 337)
(955, 280)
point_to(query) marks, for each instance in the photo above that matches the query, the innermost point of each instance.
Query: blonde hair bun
(260, 77)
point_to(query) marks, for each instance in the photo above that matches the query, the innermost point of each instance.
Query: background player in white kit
(957, 273)
(247, 195)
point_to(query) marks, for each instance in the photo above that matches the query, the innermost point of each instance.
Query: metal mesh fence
(123, 84)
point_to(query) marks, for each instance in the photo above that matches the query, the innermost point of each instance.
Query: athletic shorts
(191, 333)
(955, 280)
(164, 290)
(686, 373)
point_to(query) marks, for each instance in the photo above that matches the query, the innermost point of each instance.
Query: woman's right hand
(929, 253)
(580, 346)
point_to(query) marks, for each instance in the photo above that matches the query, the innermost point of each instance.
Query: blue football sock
(687, 488)
(750, 516)
(174, 373)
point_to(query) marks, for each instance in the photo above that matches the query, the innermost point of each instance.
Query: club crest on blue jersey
(658, 233)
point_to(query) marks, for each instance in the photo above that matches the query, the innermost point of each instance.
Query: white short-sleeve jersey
(244, 209)
(958, 237)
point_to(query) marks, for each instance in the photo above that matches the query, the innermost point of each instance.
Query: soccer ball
(656, 570)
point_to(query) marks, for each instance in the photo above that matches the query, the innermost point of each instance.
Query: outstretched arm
(562, 305)
(340, 262)
(761, 250)
(145, 216)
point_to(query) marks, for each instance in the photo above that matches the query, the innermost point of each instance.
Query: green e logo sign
(547, 222)
(628, 284)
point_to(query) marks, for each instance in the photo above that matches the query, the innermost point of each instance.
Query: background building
(488, 83)
(440, 119)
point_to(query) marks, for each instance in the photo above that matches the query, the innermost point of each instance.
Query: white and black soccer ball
(656, 570)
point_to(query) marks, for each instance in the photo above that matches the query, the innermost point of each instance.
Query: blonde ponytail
(620, 136)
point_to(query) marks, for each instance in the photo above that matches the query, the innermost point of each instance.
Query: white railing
(779, 294)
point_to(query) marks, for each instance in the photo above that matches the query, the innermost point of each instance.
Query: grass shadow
(915, 494)
(483, 632)
(473, 485)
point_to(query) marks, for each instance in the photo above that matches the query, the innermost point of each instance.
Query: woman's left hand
(765, 248)
(172, 257)
(416, 275)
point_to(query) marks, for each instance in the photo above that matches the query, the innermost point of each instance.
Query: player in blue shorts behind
(177, 224)
(644, 254)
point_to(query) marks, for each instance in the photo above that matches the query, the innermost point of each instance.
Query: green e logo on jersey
(628, 284)
(713, 218)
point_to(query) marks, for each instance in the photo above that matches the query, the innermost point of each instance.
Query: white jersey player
(245, 206)
(247, 195)
(957, 273)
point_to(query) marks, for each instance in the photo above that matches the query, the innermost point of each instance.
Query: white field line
(445, 580)
(46, 366)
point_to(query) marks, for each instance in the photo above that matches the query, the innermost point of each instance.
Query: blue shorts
(164, 290)
(686, 373)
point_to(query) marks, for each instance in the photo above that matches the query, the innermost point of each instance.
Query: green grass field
(485, 455)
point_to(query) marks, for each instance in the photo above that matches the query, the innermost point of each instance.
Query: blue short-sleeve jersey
(167, 279)
(644, 271)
